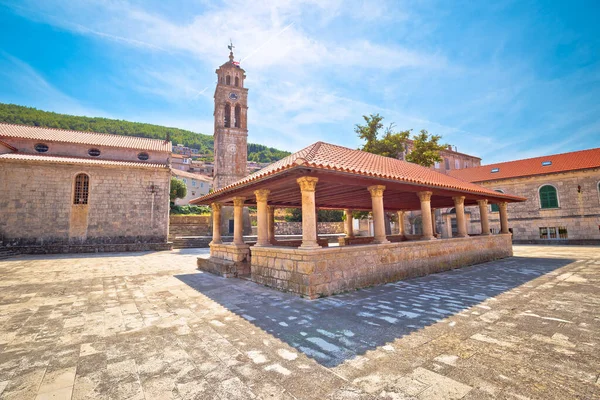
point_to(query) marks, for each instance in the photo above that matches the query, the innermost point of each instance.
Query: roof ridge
(537, 157)
(78, 131)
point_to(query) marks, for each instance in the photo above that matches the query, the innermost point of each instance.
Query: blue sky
(501, 80)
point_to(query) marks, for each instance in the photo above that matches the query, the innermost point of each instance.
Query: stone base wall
(190, 225)
(295, 228)
(227, 260)
(97, 248)
(327, 271)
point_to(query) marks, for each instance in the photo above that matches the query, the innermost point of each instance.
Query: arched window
(495, 206)
(548, 197)
(238, 116)
(237, 81)
(227, 123)
(82, 189)
(228, 80)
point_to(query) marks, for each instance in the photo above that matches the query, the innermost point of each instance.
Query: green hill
(15, 114)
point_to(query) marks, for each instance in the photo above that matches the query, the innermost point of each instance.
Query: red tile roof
(89, 138)
(76, 160)
(191, 175)
(577, 160)
(331, 157)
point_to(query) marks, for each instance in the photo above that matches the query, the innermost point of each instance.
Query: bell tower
(231, 129)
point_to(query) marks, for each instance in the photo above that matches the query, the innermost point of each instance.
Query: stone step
(6, 253)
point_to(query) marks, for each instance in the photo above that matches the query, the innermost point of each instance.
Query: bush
(190, 210)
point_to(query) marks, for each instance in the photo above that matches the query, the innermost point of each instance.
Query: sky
(500, 80)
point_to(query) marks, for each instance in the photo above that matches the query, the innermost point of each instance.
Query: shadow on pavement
(338, 328)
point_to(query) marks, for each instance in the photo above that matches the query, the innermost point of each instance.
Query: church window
(143, 156)
(238, 115)
(548, 197)
(495, 206)
(447, 163)
(228, 80)
(237, 81)
(41, 148)
(82, 187)
(227, 122)
(94, 152)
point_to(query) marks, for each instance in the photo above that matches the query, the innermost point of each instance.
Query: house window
(193, 182)
(495, 206)
(456, 164)
(447, 163)
(184, 180)
(437, 165)
(82, 188)
(193, 193)
(553, 233)
(562, 232)
(41, 148)
(548, 197)
(201, 184)
(143, 156)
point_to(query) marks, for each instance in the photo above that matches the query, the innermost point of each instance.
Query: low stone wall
(295, 228)
(227, 260)
(90, 248)
(327, 271)
(189, 225)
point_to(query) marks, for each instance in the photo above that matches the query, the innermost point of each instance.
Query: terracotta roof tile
(89, 138)
(76, 160)
(191, 175)
(327, 156)
(577, 160)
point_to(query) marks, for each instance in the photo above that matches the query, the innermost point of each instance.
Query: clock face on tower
(233, 96)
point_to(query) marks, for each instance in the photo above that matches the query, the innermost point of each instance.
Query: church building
(67, 191)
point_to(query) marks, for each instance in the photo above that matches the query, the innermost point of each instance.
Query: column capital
(424, 196)
(503, 206)
(239, 201)
(376, 190)
(482, 203)
(216, 206)
(262, 194)
(307, 183)
(459, 199)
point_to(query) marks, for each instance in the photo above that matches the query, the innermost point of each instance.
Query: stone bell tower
(231, 134)
(231, 129)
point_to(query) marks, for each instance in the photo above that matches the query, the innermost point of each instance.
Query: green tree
(391, 144)
(178, 189)
(425, 149)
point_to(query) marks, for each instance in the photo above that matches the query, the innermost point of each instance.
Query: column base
(486, 234)
(242, 245)
(428, 238)
(462, 236)
(265, 244)
(380, 241)
(309, 246)
(215, 242)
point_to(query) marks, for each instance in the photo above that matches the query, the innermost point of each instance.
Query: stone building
(181, 162)
(563, 192)
(69, 191)
(197, 185)
(451, 159)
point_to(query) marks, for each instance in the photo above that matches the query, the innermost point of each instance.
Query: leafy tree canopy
(426, 149)
(178, 189)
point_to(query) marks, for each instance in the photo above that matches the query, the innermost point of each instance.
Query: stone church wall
(38, 215)
(578, 211)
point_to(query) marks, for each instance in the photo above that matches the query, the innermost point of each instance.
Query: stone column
(308, 186)
(483, 214)
(271, 212)
(378, 213)
(461, 223)
(433, 227)
(348, 224)
(216, 214)
(425, 198)
(503, 209)
(238, 220)
(262, 231)
(401, 223)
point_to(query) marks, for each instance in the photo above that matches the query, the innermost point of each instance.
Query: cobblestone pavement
(150, 326)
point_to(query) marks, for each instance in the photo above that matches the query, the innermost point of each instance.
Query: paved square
(150, 326)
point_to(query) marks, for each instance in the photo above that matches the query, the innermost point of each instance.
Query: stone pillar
(216, 214)
(308, 186)
(503, 209)
(271, 212)
(433, 227)
(262, 216)
(348, 224)
(238, 220)
(461, 223)
(425, 198)
(378, 213)
(483, 213)
(401, 223)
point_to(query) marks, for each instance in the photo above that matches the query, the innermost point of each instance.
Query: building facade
(68, 191)
(197, 185)
(563, 192)
(451, 159)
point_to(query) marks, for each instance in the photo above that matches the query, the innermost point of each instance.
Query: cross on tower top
(230, 47)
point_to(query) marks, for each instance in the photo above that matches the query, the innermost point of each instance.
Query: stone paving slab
(150, 326)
